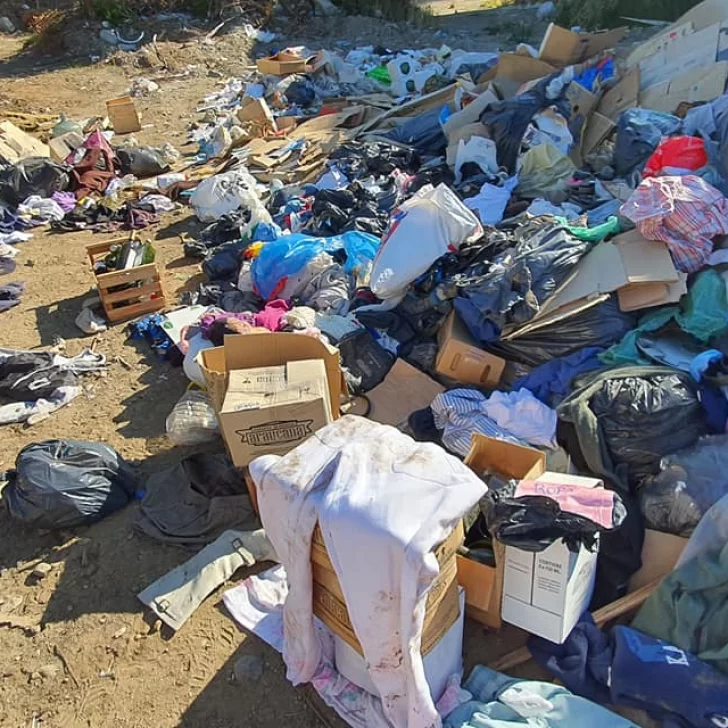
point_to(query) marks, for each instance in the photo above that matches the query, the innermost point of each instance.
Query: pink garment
(271, 316)
(596, 504)
(685, 212)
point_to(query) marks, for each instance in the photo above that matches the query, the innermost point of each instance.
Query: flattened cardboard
(646, 295)
(598, 128)
(513, 70)
(624, 95)
(271, 410)
(470, 115)
(660, 553)
(658, 43)
(561, 47)
(702, 84)
(15, 144)
(484, 584)
(705, 14)
(256, 110)
(460, 358)
(404, 390)
(688, 53)
(63, 146)
(626, 262)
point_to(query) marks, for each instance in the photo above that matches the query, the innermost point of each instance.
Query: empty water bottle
(193, 420)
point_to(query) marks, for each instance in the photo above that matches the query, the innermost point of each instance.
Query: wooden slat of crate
(132, 302)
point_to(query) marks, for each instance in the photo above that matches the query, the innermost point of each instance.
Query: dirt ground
(90, 656)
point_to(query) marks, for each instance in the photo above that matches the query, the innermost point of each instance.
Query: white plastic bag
(224, 193)
(420, 231)
(478, 149)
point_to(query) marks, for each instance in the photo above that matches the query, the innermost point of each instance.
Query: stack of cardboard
(442, 610)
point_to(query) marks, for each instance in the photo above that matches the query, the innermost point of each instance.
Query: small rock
(109, 36)
(42, 570)
(248, 667)
(119, 633)
(6, 25)
(49, 671)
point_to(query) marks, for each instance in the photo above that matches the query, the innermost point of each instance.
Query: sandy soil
(92, 658)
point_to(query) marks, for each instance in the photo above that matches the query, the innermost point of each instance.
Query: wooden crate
(120, 302)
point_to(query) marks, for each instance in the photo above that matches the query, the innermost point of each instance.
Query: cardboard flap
(505, 458)
(263, 350)
(562, 47)
(623, 96)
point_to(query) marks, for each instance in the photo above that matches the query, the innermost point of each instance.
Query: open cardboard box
(484, 584)
(267, 350)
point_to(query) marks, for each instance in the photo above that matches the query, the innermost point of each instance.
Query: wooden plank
(128, 275)
(128, 312)
(132, 293)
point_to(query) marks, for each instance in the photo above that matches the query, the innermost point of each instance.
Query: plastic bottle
(65, 126)
(193, 420)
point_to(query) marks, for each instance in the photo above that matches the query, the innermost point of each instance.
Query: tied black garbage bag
(65, 483)
(626, 420)
(600, 326)
(141, 161)
(690, 481)
(357, 159)
(535, 522)
(33, 176)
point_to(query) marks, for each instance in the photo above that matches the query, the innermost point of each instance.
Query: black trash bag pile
(359, 159)
(33, 176)
(690, 481)
(66, 483)
(340, 211)
(628, 419)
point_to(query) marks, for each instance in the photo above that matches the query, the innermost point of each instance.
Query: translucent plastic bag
(286, 256)
(193, 420)
(544, 169)
(676, 156)
(224, 193)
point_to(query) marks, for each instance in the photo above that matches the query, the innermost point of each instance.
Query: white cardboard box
(545, 593)
(445, 659)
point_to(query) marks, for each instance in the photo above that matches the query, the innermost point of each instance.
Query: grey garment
(626, 419)
(193, 502)
(175, 596)
(328, 291)
(500, 701)
(674, 349)
(10, 293)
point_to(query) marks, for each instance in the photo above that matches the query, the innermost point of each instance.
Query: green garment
(703, 312)
(594, 234)
(690, 609)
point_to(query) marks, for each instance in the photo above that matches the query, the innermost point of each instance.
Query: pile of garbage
(517, 260)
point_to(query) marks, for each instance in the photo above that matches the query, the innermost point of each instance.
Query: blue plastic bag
(286, 256)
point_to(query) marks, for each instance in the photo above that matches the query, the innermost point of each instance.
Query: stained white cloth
(379, 498)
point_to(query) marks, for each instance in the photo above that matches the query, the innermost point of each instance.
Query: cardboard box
(15, 144)
(404, 390)
(123, 115)
(484, 584)
(624, 95)
(660, 553)
(283, 63)
(459, 357)
(641, 270)
(63, 146)
(546, 592)
(561, 47)
(270, 410)
(445, 659)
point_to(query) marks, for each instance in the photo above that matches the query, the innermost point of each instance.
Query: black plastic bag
(423, 133)
(33, 176)
(689, 482)
(223, 262)
(626, 420)
(141, 161)
(535, 522)
(366, 363)
(65, 483)
(602, 325)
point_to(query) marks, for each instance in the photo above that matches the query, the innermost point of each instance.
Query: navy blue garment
(551, 381)
(670, 684)
(630, 669)
(582, 662)
(715, 406)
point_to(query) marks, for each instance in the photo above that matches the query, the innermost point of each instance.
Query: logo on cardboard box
(276, 433)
